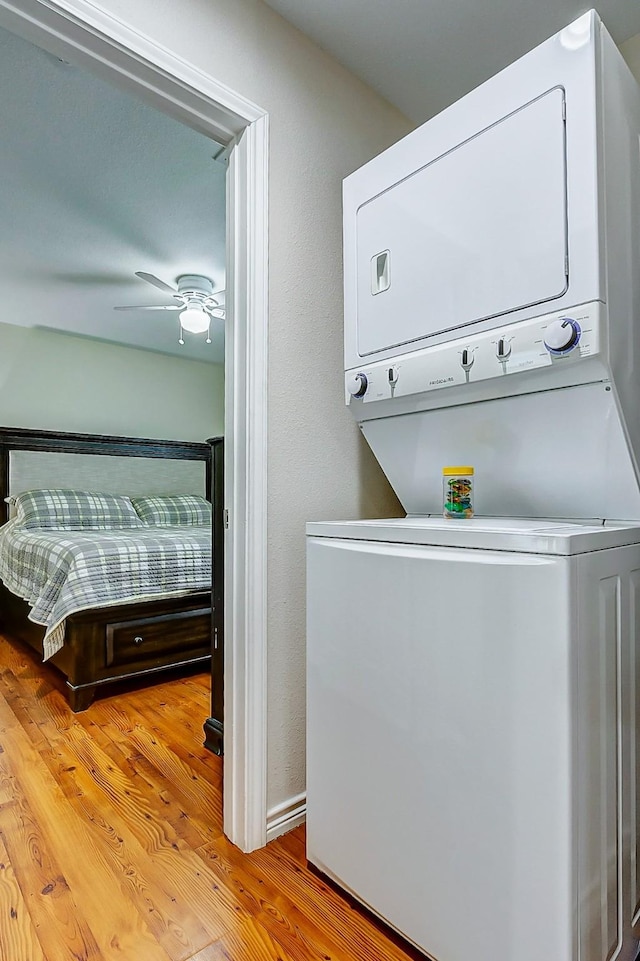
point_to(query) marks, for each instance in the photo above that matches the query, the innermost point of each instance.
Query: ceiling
(94, 186)
(422, 55)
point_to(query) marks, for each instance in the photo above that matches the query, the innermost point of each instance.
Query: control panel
(558, 338)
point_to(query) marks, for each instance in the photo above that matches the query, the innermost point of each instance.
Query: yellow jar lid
(457, 470)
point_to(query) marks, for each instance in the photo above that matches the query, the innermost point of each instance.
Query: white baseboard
(286, 816)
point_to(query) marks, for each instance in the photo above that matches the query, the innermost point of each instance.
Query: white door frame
(86, 35)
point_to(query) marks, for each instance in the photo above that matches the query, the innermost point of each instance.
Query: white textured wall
(55, 381)
(631, 52)
(324, 123)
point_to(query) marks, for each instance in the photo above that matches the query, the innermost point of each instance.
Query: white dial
(561, 335)
(357, 384)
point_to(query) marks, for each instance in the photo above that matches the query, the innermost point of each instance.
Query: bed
(106, 554)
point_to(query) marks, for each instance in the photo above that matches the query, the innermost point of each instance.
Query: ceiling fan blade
(156, 307)
(78, 278)
(152, 279)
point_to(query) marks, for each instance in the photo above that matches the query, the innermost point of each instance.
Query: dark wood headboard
(211, 453)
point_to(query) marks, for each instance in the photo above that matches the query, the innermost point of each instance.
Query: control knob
(503, 349)
(562, 335)
(466, 359)
(357, 384)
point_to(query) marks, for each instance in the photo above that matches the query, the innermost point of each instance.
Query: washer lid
(522, 535)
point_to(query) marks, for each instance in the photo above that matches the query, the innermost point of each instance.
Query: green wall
(56, 381)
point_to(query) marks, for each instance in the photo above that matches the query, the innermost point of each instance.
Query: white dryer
(473, 685)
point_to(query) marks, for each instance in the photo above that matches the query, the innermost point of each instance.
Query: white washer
(472, 728)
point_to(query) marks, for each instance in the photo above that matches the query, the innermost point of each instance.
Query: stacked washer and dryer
(473, 685)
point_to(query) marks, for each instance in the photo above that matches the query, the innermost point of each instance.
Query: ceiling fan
(196, 301)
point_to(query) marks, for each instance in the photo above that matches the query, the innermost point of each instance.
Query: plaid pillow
(165, 510)
(75, 510)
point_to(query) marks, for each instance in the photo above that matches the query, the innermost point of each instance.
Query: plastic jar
(457, 492)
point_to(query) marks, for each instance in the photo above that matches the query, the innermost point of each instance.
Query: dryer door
(475, 233)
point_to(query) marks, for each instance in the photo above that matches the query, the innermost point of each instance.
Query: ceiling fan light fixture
(195, 320)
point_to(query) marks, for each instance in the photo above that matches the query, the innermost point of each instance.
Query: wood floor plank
(148, 782)
(39, 716)
(294, 844)
(132, 831)
(244, 946)
(286, 925)
(48, 899)
(181, 731)
(7, 785)
(196, 809)
(18, 938)
(26, 677)
(248, 943)
(174, 722)
(157, 854)
(164, 876)
(118, 932)
(197, 792)
(112, 821)
(298, 908)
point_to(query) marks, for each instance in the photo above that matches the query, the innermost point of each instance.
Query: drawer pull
(137, 639)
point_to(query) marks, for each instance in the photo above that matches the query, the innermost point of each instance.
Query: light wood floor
(111, 844)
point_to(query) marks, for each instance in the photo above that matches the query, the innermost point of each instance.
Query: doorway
(108, 48)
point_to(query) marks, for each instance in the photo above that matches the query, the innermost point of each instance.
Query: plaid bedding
(167, 509)
(60, 572)
(74, 510)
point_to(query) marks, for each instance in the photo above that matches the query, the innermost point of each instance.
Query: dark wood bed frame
(106, 645)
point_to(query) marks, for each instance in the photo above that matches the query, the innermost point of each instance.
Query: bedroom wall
(55, 381)
(324, 123)
(630, 50)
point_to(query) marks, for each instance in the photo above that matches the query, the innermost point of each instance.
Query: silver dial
(561, 335)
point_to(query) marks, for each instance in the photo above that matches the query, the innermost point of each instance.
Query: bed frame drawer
(155, 638)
